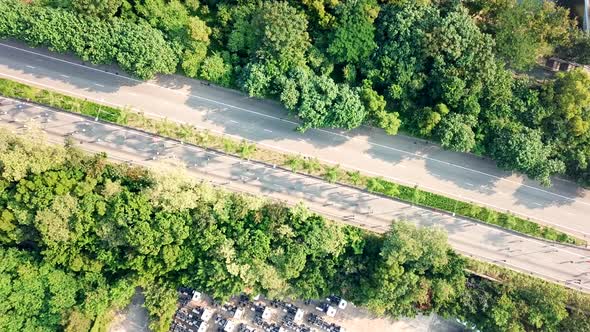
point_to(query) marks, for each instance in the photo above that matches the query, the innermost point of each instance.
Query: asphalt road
(402, 159)
(559, 263)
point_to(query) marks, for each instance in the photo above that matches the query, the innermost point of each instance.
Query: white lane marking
(268, 131)
(100, 85)
(290, 151)
(64, 76)
(278, 148)
(233, 121)
(132, 131)
(539, 204)
(296, 123)
(30, 67)
(469, 184)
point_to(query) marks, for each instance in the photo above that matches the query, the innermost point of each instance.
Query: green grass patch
(312, 166)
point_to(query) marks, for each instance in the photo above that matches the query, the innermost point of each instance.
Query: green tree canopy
(521, 148)
(103, 9)
(529, 29)
(398, 285)
(352, 39)
(274, 32)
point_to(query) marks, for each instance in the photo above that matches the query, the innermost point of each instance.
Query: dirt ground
(356, 319)
(135, 319)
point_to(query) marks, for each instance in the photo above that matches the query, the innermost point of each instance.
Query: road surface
(559, 263)
(402, 159)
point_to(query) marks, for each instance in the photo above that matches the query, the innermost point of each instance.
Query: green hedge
(506, 220)
(189, 134)
(137, 48)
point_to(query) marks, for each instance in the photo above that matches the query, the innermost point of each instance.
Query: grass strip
(311, 166)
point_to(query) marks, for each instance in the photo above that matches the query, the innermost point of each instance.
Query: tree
(431, 55)
(103, 9)
(321, 9)
(529, 29)
(322, 102)
(455, 132)
(396, 68)
(274, 32)
(429, 118)
(171, 17)
(257, 78)
(398, 285)
(521, 148)
(568, 98)
(352, 39)
(160, 302)
(19, 156)
(390, 122)
(578, 50)
(215, 69)
(567, 123)
(34, 296)
(137, 48)
(192, 59)
(347, 110)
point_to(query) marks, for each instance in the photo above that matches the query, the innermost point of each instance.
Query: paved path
(402, 159)
(560, 263)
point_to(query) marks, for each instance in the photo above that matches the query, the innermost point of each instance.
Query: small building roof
(203, 327)
(229, 326)
(299, 315)
(267, 313)
(331, 312)
(207, 314)
(196, 296)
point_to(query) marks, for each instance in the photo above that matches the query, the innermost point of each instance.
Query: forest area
(456, 72)
(78, 234)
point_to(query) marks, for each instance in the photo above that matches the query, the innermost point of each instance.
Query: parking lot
(198, 313)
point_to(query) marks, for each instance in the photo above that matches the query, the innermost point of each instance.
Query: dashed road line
(296, 123)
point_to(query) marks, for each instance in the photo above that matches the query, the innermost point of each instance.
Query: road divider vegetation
(79, 233)
(311, 166)
(457, 73)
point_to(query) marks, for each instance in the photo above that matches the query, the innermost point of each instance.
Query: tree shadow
(534, 196)
(252, 118)
(63, 69)
(249, 122)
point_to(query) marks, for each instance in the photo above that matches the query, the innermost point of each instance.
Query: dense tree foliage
(352, 39)
(97, 8)
(530, 29)
(137, 48)
(441, 70)
(77, 234)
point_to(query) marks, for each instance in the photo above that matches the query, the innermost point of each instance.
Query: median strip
(305, 165)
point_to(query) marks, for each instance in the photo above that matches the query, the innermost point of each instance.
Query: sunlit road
(402, 159)
(563, 264)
